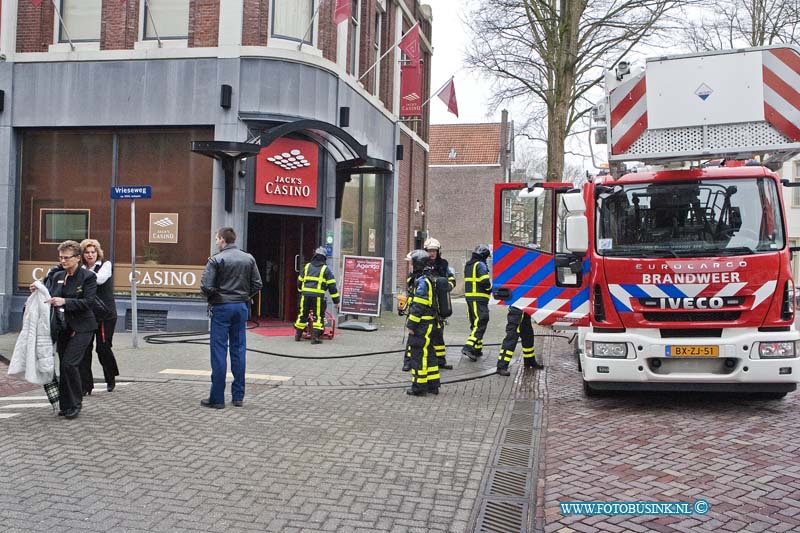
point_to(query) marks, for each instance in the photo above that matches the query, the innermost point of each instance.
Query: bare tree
(550, 53)
(739, 23)
(531, 162)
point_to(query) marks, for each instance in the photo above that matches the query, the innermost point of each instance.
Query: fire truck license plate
(692, 351)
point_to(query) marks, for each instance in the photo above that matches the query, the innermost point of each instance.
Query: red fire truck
(676, 276)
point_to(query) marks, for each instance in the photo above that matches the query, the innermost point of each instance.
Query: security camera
(242, 173)
(2, 57)
(623, 69)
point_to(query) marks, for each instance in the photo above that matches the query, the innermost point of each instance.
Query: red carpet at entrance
(273, 328)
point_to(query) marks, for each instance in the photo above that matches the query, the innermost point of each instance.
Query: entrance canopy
(351, 156)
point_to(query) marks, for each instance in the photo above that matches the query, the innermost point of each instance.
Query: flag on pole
(409, 44)
(411, 91)
(342, 11)
(448, 95)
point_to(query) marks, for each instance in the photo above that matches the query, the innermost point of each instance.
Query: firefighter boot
(298, 335)
(406, 364)
(469, 352)
(316, 337)
(533, 363)
(442, 363)
(503, 371)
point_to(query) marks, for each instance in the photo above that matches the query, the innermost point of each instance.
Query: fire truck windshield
(689, 219)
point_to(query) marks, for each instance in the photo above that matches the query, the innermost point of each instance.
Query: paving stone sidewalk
(339, 447)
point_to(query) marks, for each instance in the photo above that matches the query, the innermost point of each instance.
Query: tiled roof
(471, 144)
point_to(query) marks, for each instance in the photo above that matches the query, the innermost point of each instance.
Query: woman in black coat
(73, 291)
(105, 314)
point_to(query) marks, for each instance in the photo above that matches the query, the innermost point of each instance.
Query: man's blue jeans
(228, 322)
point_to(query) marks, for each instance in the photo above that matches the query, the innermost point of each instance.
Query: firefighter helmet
(420, 259)
(321, 251)
(432, 244)
(483, 251)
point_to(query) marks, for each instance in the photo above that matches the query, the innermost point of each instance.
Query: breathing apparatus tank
(441, 293)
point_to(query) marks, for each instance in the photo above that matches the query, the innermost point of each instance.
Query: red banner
(342, 11)
(286, 173)
(409, 44)
(411, 91)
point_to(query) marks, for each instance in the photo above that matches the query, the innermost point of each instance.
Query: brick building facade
(466, 160)
(117, 94)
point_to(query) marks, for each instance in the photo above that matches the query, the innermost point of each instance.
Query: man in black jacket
(230, 279)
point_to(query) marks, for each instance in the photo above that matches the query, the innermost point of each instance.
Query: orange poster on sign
(287, 173)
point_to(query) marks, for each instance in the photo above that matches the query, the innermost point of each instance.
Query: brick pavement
(318, 454)
(11, 385)
(739, 454)
(148, 458)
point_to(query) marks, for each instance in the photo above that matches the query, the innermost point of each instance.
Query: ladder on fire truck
(733, 104)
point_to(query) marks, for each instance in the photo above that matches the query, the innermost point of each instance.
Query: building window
(354, 37)
(65, 183)
(81, 19)
(291, 19)
(362, 216)
(166, 19)
(376, 74)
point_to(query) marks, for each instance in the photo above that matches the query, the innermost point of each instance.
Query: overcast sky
(449, 37)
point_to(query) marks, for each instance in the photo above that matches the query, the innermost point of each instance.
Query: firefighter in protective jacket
(411, 287)
(313, 281)
(518, 326)
(422, 321)
(477, 288)
(440, 269)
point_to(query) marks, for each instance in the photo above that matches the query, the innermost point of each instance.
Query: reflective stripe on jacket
(477, 282)
(317, 278)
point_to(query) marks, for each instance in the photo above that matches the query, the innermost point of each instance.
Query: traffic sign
(131, 192)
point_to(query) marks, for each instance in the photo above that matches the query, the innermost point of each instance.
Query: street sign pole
(132, 192)
(134, 318)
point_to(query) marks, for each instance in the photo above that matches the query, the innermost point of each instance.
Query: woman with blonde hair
(106, 315)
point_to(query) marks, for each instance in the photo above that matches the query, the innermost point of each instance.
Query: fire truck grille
(694, 332)
(692, 316)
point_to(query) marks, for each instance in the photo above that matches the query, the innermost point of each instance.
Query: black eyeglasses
(65, 257)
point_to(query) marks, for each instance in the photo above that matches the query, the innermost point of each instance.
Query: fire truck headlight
(617, 350)
(778, 349)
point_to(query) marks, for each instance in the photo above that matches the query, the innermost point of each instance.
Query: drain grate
(514, 457)
(508, 483)
(508, 488)
(523, 406)
(502, 517)
(519, 437)
(521, 419)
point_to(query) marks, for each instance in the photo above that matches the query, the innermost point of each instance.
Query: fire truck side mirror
(577, 234)
(576, 230)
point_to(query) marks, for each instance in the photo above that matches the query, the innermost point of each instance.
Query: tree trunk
(559, 108)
